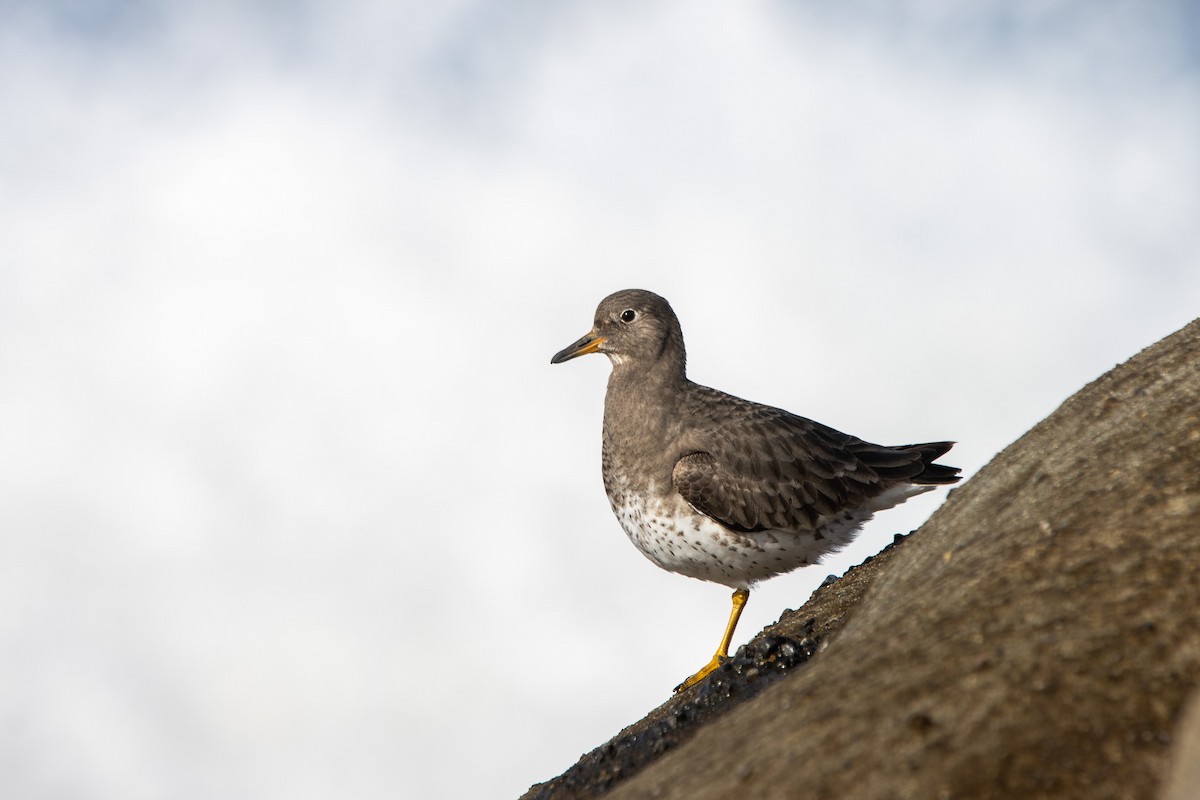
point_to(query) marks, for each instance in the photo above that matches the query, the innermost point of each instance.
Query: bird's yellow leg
(740, 597)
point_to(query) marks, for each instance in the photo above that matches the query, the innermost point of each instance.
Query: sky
(294, 505)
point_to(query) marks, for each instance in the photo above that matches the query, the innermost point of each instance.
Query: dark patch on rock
(754, 667)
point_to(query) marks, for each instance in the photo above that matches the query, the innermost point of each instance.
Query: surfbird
(718, 488)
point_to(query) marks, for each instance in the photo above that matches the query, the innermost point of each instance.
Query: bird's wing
(763, 468)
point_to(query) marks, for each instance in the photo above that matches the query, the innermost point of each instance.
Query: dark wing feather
(753, 467)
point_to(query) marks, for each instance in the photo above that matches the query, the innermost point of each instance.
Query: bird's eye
(628, 315)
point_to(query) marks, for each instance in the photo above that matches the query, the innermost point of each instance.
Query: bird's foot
(705, 671)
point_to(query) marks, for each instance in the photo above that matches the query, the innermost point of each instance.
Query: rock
(1183, 775)
(1037, 638)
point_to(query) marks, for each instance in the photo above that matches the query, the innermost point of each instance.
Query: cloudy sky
(293, 504)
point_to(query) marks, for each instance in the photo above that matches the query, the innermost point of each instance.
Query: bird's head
(632, 327)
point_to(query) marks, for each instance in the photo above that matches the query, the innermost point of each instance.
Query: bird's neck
(640, 425)
(641, 399)
(660, 378)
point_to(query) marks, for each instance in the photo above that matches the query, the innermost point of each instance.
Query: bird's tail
(933, 474)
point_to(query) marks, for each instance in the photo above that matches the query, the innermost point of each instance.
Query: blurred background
(292, 503)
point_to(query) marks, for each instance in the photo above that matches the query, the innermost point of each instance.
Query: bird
(714, 487)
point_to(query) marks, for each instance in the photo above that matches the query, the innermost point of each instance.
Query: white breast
(679, 539)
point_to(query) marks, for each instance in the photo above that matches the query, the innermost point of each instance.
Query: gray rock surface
(1038, 638)
(1183, 775)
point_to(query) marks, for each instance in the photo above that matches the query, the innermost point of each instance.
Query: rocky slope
(1038, 638)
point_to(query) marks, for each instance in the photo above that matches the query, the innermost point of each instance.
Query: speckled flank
(677, 538)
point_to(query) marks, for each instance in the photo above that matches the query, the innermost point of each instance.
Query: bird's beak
(590, 343)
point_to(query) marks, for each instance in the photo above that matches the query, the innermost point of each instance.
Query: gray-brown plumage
(722, 489)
